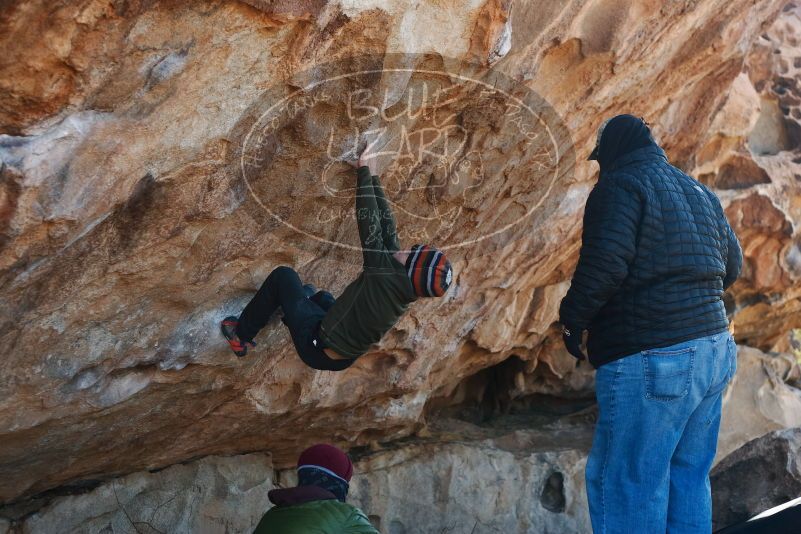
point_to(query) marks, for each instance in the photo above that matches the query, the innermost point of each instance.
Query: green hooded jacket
(327, 516)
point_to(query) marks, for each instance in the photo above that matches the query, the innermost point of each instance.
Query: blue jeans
(656, 436)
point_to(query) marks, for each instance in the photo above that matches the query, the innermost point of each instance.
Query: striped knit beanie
(429, 270)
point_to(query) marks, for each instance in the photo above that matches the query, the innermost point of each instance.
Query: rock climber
(317, 503)
(657, 254)
(328, 333)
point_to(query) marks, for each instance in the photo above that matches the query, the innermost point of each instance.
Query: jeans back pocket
(668, 373)
(733, 356)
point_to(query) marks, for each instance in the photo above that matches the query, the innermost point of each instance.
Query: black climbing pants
(302, 315)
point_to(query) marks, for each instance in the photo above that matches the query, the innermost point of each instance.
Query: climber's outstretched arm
(389, 228)
(368, 217)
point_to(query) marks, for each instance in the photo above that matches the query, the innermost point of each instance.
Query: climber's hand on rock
(360, 156)
(356, 162)
(362, 161)
(572, 338)
(367, 161)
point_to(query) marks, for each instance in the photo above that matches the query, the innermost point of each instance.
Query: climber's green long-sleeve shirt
(372, 303)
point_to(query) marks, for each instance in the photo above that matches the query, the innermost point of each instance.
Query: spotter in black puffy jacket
(657, 254)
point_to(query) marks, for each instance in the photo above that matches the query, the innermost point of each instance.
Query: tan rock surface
(419, 488)
(753, 157)
(127, 230)
(519, 471)
(214, 495)
(762, 475)
(762, 397)
(506, 484)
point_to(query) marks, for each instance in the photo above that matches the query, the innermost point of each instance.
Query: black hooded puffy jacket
(657, 254)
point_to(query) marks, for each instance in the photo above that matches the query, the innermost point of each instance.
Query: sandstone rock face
(210, 496)
(129, 224)
(518, 472)
(764, 473)
(519, 481)
(427, 487)
(762, 397)
(753, 157)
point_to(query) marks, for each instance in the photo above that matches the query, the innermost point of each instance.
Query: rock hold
(761, 475)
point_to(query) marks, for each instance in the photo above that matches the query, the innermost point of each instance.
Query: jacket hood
(619, 136)
(646, 153)
(299, 495)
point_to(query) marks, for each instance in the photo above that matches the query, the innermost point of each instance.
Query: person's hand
(366, 161)
(361, 161)
(572, 339)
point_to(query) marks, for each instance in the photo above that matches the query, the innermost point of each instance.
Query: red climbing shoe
(228, 329)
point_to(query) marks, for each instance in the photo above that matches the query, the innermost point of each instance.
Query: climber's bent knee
(283, 272)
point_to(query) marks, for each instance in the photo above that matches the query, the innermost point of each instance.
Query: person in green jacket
(328, 333)
(317, 504)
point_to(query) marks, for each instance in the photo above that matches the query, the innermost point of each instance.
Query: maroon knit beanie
(328, 458)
